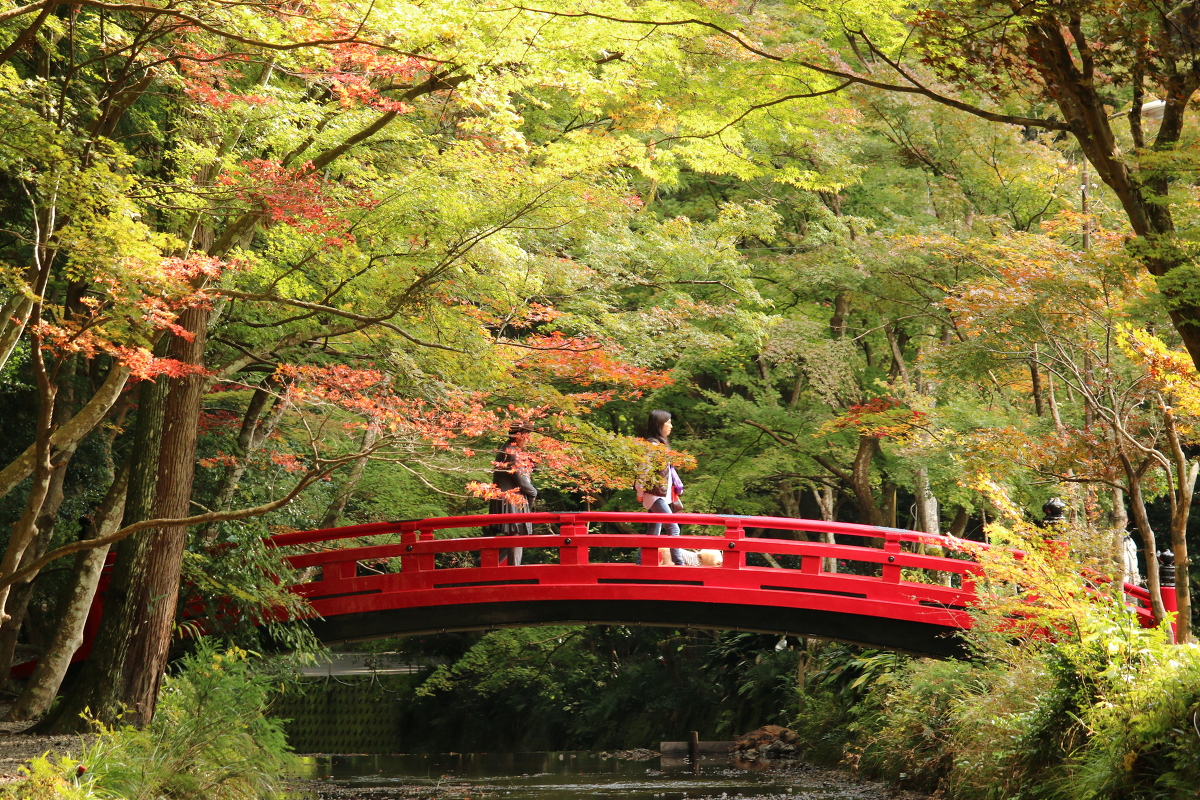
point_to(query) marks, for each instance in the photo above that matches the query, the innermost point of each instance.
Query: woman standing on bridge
(512, 470)
(660, 492)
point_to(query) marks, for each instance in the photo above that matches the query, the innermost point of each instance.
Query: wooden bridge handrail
(634, 541)
(576, 517)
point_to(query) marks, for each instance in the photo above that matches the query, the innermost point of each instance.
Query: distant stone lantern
(1053, 510)
(1166, 568)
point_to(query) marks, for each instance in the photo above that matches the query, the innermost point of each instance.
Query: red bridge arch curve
(453, 584)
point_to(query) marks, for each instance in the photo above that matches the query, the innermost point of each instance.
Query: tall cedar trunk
(100, 687)
(73, 609)
(151, 641)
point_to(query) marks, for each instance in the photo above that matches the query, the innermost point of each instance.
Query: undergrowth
(1066, 697)
(210, 739)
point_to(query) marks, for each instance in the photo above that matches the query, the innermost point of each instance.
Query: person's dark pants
(511, 555)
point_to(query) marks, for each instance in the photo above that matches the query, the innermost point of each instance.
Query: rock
(764, 737)
(771, 742)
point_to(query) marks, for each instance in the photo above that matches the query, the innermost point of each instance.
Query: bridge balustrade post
(572, 551)
(891, 546)
(968, 581)
(734, 556)
(408, 561)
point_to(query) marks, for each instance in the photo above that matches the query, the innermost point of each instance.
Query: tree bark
(1184, 486)
(100, 688)
(958, 525)
(25, 528)
(151, 641)
(22, 593)
(1035, 379)
(868, 446)
(825, 502)
(73, 610)
(1149, 546)
(927, 506)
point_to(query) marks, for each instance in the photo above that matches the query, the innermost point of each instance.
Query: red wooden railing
(910, 582)
(882, 576)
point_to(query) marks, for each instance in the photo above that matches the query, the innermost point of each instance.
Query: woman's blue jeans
(655, 529)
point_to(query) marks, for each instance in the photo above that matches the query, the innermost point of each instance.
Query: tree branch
(843, 75)
(380, 321)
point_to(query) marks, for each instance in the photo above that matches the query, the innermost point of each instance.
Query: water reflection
(548, 776)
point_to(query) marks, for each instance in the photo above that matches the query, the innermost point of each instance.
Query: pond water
(563, 776)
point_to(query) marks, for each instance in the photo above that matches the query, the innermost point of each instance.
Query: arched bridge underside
(878, 587)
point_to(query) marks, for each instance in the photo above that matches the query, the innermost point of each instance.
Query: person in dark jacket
(512, 469)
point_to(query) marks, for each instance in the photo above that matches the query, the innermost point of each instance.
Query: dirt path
(16, 748)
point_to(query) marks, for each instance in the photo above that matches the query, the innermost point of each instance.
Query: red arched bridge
(884, 592)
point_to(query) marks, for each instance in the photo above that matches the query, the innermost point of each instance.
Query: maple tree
(263, 261)
(253, 135)
(1045, 309)
(1121, 90)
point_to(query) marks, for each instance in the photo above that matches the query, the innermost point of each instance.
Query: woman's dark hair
(515, 432)
(654, 425)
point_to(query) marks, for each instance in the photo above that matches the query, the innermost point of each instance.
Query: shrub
(44, 779)
(209, 738)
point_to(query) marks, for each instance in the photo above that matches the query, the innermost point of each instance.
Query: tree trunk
(1179, 548)
(1184, 486)
(255, 430)
(958, 525)
(1035, 379)
(927, 505)
(73, 610)
(100, 688)
(150, 645)
(25, 528)
(825, 502)
(887, 511)
(860, 484)
(1149, 545)
(22, 593)
(789, 500)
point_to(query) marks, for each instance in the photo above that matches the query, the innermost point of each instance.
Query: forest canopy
(273, 266)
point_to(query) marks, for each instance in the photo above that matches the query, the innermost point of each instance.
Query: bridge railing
(886, 560)
(574, 542)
